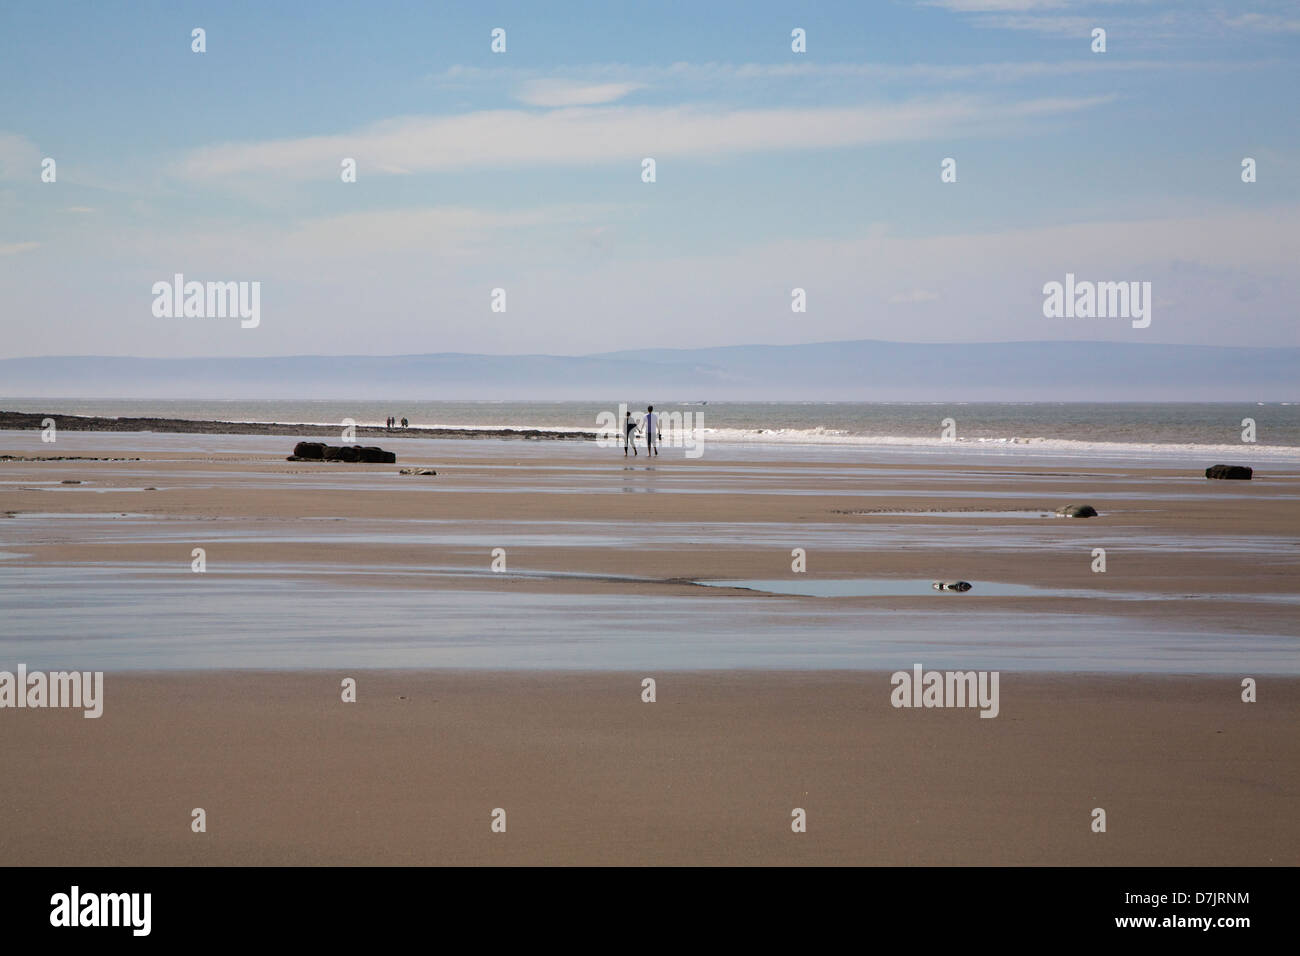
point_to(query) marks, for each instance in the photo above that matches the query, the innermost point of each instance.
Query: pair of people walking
(649, 425)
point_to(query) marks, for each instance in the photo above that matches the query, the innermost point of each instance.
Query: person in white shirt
(652, 433)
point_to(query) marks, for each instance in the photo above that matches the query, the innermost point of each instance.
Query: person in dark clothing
(629, 434)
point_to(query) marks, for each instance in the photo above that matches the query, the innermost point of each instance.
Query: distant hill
(856, 370)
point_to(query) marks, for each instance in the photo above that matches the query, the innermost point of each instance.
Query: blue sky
(521, 170)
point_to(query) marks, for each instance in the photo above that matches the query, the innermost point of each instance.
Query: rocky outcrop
(952, 585)
(1238, 472)
(317, 451)
(417, 471)
(83, 423)
(1077, 511)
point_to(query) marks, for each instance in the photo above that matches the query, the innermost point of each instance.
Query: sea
(1128, 430)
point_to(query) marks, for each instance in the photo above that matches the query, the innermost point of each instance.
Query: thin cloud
(993, 6)
(444, 228)
(585, 136)
(720, 77)
(1264, 23)
(1055, 26)
(555, 92)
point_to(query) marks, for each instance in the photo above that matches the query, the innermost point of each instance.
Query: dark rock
(417, 471)
(1077, 511)
(952, 585)
(315, 451)
(1240, 472)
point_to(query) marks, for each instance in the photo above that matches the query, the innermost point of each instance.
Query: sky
(522, 170)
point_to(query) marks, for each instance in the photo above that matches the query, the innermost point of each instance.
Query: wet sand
(611, 525)
(709, 773)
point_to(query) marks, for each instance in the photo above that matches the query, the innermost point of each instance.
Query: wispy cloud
(986, 6)
(555, 92)
(584, 136)
(723, 79)
(1054, 25)
(440, 229)
(1141, 21)
(14, 248)
(1265, 23)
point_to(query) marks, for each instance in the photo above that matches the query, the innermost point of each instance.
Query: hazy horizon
(845, 371)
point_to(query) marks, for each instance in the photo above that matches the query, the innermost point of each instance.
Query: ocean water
(1122, 429)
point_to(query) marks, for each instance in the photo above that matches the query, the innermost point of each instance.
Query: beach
(514, 680)
(708, 774)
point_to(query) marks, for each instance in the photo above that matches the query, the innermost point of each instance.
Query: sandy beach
(521, 690)
(707, 774)
(632, 526)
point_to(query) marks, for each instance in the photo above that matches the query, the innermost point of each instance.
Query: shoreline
(1205, 454)
(27, 421)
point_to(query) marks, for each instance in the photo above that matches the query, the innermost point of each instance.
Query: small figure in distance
(652, 434)
(629, 433)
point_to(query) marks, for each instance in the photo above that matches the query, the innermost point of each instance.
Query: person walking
(652, 433)
(629, 434)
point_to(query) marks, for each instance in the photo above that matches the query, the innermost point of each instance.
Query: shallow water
(89, 618)
(308, 615)
(892, 587)
(919, 587)
(876, 532)
(955, 514)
